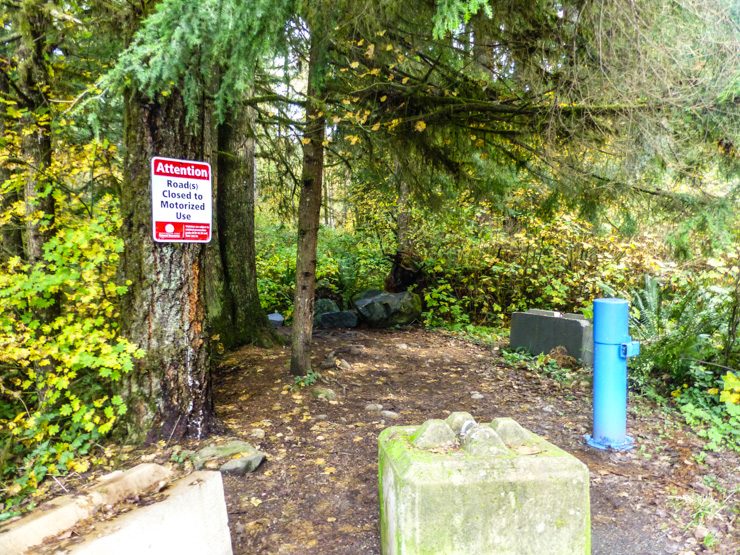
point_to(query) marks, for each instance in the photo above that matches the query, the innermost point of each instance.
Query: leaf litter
(317, 490)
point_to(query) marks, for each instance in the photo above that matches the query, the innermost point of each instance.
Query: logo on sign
(181, 201)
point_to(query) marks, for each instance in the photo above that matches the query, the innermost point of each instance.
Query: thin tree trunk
(34, 83)
(403, 214)
(405, 270)
(236, 171)
(327, 200)
(37, 191)
(10, 233)
(169, 390)
(309, 209)
(34, 76)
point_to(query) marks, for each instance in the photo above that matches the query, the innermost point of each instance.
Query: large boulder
(340, 319)
(322, 306)
(325, 305)
(366, 294)
(383, 310)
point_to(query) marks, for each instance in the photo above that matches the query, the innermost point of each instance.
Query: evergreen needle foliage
(207, 48)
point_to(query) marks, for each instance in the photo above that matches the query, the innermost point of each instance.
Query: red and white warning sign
(181, 201)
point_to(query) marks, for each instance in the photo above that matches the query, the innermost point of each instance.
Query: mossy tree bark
(34, 84)
(34, 53)
(164, 312)
(236, 174)
(309, 208)
(11, 238)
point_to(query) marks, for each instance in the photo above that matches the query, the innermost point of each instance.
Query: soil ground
(317, 490)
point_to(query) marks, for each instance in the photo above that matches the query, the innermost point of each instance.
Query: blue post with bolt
(612, 347)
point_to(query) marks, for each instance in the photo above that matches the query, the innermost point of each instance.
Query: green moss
(455, 502)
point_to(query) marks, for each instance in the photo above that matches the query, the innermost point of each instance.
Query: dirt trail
(317, 492)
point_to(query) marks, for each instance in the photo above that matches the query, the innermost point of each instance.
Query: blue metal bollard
(612, 347)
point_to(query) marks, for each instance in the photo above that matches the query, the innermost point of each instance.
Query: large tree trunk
(309, 208)
(169, 390)
(218, 299)
(236, 177)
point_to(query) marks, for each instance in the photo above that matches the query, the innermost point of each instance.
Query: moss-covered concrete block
(497, 489)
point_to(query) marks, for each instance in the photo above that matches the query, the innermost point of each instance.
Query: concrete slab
(64, 512)
(191, 520)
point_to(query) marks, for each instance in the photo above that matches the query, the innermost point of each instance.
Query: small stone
(433, 434)
(459, 421)
(343, 365)
(373, 407)
(402, 346)
(483, 441)
(258, 433)
(701, 532)
(329, 361)
(242, 465)
(324, 393)
(276, 319)
(320, 417)
(213, 452)
(390, 415)
(475, 395)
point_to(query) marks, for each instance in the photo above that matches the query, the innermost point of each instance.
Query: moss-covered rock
(383, 310)
(504, 490)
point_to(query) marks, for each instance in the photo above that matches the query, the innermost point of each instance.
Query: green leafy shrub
(443, 307)
(58, 376)
(688, 329)
(481, 267)
(346, 264)
(542, 363)
(714, 413)
(275, 263)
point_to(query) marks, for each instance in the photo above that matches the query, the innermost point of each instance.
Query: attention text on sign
(181, 201)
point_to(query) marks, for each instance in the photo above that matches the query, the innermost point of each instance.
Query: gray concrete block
(540, 331)
(499, 489)
(573, 316)
(541, 312)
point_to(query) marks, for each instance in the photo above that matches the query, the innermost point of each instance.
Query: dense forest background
(499, 155)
